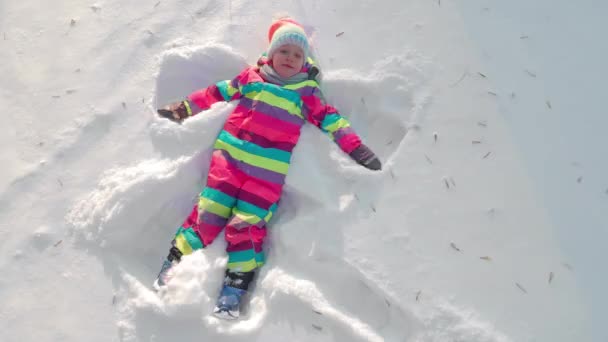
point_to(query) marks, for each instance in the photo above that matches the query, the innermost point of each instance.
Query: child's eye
(298, 55)
(283, 51)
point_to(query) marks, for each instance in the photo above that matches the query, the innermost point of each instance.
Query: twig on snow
(464, 74)
(568, 266)
(521, 288)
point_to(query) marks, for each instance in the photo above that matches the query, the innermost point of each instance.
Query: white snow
(487, 223)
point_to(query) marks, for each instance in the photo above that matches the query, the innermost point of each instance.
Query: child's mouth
(288, 66)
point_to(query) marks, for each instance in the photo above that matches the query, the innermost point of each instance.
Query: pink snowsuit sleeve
(221, 91)
(327, 118)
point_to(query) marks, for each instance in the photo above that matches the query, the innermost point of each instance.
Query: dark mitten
(364, 156)
(177, 111)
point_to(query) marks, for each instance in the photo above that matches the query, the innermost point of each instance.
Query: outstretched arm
(201, 100)
(327, 118)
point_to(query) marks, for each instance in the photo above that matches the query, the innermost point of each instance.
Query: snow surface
(459, 238)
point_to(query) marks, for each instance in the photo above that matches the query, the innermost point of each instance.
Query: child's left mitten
(364, 156)
(177, 111)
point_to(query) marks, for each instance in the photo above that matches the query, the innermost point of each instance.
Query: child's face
(288, 60)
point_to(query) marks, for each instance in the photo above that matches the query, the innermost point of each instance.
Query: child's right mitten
(177, 111)
(364, 156)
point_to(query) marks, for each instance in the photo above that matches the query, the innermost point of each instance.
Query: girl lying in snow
(252, 155)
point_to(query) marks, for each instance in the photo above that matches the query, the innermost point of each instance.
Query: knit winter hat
(287, 31)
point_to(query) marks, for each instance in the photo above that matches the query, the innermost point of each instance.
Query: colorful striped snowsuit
(251, 159)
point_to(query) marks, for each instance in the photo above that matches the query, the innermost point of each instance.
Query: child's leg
(246, 229)
(245, 233)
(216, 202)
(208, 217)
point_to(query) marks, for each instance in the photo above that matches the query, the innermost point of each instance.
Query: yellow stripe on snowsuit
(244, 266)
(250, 218)
(342, 123)
(309, 83)
(245, 261)
(188, 109)
(226, 89)
(187, 241)
(269, 216)
(252, 159)
(214, 207)
(182, 244)
(333, 122)
(247, 217)
(276, 101)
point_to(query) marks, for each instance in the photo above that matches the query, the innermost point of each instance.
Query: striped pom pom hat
(287, 31)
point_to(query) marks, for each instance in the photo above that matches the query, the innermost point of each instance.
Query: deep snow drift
(450, 242)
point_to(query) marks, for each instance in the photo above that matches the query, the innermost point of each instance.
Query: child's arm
(327, 118)
(201, 100)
